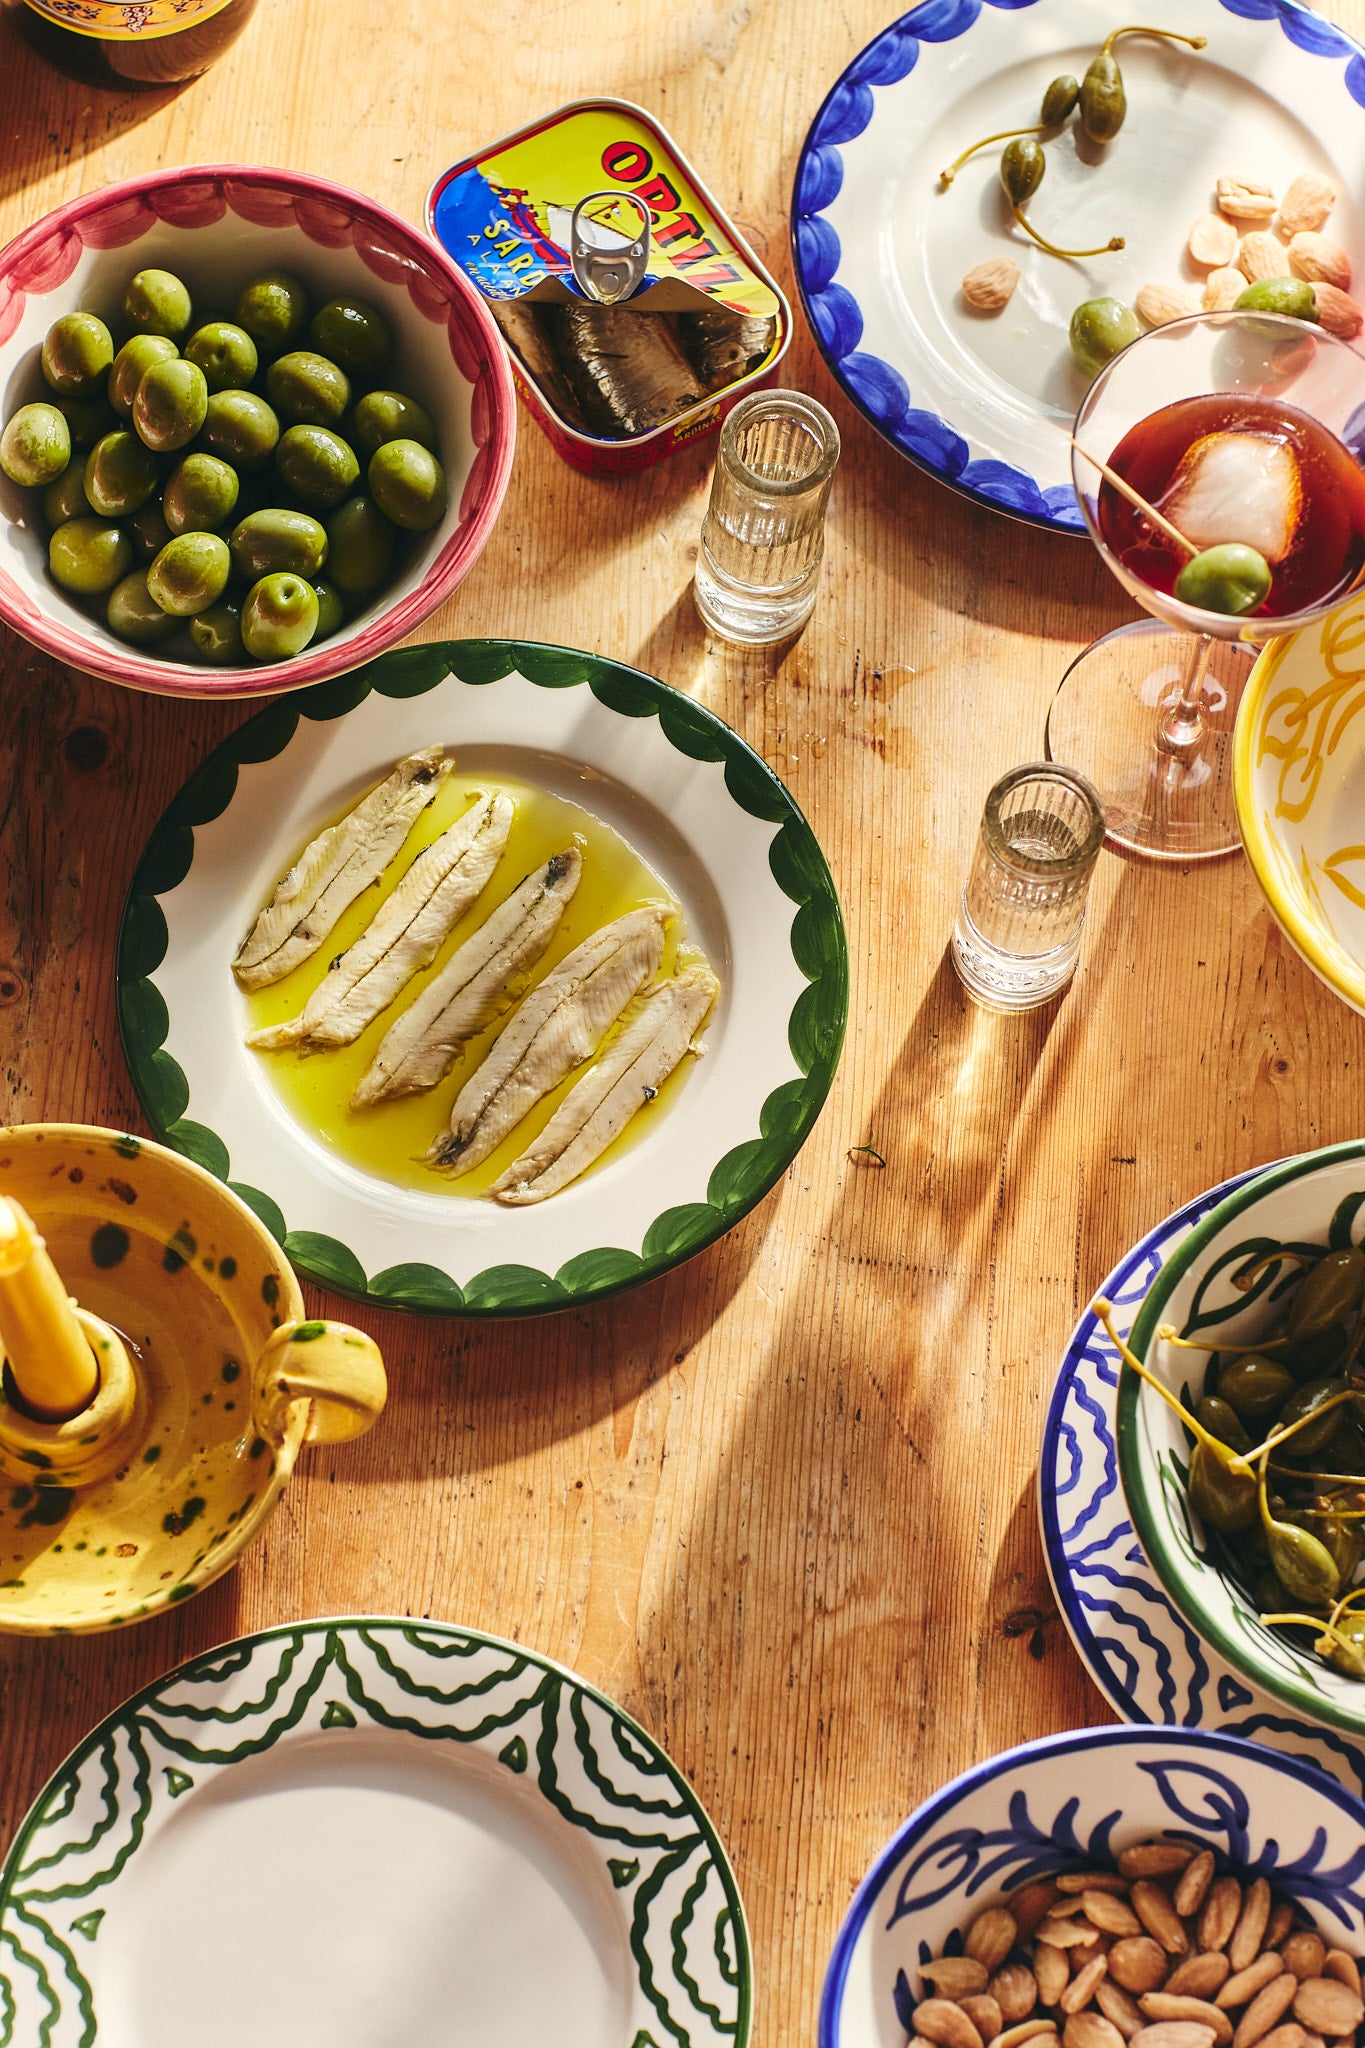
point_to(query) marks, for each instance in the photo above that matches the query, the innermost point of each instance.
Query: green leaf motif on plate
(177, 1782)
(728, 1187)
(261, 1205)
(200, 1144)
(481, 661)
(333, 700)
(165, 1091)
(553, 668)
(208, 792)
(514, 1755)
(89, 1923)
(691, 729)
(620, 691)
(644, 2039)
(337, 1715)
(500, 1289)
(623, 1872)
(143, 938)
(165, 864)
(326, 1260)
(419, 1286)
(145, 1018)
(599, 1272)
(269, 732)
(679, 1231)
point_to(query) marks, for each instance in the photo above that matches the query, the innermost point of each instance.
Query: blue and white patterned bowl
(1070, 1802)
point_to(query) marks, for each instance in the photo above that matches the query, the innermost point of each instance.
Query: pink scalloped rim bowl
(216, 225)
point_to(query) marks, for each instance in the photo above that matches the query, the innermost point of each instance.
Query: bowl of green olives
(1241, 1431)
(254, 429)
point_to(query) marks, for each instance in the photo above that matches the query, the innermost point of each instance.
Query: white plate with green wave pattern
(362, 1832)
(702, 808)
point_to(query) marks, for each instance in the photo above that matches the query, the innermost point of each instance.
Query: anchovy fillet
(596, 1111)
(423, 1044)
(406, 935)
(335, 867)
(561, 1023)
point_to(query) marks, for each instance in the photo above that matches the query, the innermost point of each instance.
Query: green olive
(1253, 1387)
(149, 530)
(217, 634)
(156, 302)
(131, 365)
(225, 353)
(317, 465)
(134, 615)
(355, 334)
(1279, 295)
(273, 308)
(382, 416)
(360, 546)
(1230, 579)
(241, 428)
(1022, 164)
(279, 617)
(171, 404)
(1225, 1500)
(201, 495)
(408, 485)
(308, 389)
(1059, 99)
(65, 497)
(1224, 1423)
(331, 610)
(121, 473)
(88, 556)
(87, 418)
(1103, 99)
(77, 353)
(1333, 1289)
(190, 573)
(1099, 329)
(35, 447)
(278, 541)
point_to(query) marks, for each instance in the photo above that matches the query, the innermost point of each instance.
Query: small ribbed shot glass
(1018, 931)
(758, 566)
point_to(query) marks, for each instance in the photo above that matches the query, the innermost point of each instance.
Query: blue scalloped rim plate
(984, 402)
(706, 812)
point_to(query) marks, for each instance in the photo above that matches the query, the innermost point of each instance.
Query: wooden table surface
(780, 1504)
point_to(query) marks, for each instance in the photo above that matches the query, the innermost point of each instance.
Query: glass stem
(1180, 723)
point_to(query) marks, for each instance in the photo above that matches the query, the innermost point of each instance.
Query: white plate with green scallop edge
(696, 802)
(351, 1831)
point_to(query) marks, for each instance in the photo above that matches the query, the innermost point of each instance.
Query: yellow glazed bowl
(227, 1383)
(1299, 778)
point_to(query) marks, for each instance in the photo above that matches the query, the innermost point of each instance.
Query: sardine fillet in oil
(561, 1023)
(407, 933)
(335, 867)
(422, 1045)
(596, 1111)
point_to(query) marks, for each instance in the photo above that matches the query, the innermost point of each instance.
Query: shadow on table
(48, 119)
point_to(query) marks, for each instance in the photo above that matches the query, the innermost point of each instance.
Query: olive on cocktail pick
(1231, 578)
(1022, 165)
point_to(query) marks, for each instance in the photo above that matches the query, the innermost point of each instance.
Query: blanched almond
(1053, 1972)
(956, 1977)
(1111, 1915)
(1223, 288)
(1173, 2034)
(1062, 1930)
(1159, 1917)
(990, 285)
(1199, 1976)
(984, 2013)
(1091, 2030)
(1027, 2030)
(946, 2024)
(1245, 1945)
(1015, 1991)
(1327, 2006)
(1305, 1953)
(1338, 312)
(1213, 240)
(1139, 1964)
(1159, 303)
(1076, 1881)
(1246, 198)
(1154, 1859)
(1320, 260)
(1343, 1967)
(1116, 2005)
(1261, 255)
(1307, 203)
(1164, 2005)
(990, 1938)
(1219, 1916)
(1029, 1904)
(1266, 2009)
(1246, 1983)
(1290, 2035)
(1280, 1923)
(1081, 1989)
(1195, 1880)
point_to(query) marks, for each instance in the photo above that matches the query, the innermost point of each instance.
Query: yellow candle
(47, 1351)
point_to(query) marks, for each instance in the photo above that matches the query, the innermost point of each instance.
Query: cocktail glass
(1147, 712)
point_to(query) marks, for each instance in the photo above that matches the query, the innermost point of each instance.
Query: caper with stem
(1022, 164)
(1104, 102)
(1058, 101)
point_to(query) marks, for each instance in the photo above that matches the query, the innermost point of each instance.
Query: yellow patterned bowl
(1299, 778)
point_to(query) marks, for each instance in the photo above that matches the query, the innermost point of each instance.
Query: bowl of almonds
(1128, 1887)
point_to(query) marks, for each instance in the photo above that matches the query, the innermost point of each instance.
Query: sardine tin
(503, 215)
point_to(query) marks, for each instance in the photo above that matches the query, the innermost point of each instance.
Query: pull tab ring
(608, 264)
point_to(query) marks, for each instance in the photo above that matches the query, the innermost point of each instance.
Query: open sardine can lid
(504, 216)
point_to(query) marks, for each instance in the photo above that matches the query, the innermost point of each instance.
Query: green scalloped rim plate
(706, 811)
(347, 1830)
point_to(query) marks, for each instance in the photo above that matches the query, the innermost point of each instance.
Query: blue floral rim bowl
(1072, 1802)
